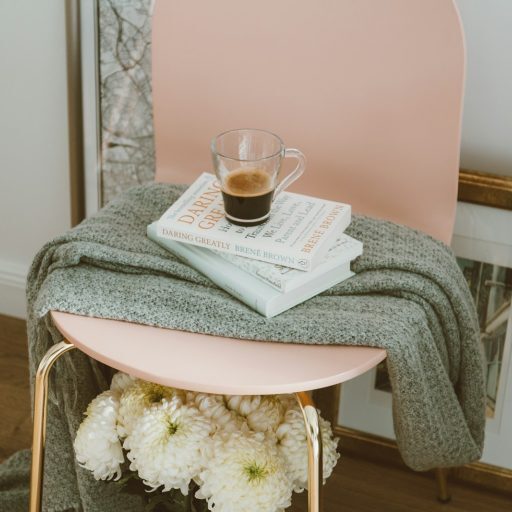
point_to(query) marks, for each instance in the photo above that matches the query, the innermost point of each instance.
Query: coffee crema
(247, 182)
(247, 195)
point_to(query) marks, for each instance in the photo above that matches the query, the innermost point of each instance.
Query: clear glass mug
(247, 163)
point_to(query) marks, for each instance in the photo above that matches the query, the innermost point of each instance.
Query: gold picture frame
(486, 189)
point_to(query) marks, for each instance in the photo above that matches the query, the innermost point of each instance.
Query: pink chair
(370, 91)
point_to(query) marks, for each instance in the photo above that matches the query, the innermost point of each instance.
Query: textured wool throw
(408, 297)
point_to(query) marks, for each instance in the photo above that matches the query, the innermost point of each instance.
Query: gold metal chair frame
(309, 412)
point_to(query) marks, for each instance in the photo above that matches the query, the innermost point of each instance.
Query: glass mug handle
(296, 173)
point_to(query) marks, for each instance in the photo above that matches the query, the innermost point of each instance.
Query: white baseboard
(13, 278)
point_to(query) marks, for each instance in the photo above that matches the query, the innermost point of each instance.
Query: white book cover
(298, 234)
(285, 279)
(250, 290)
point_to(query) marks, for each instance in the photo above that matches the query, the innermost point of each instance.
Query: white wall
(34, 182)
(487, 126)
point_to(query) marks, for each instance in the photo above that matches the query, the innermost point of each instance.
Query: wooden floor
(356, 486)
(15, 421)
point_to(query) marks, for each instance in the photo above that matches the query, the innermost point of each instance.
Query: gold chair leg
(39, 432)
(315, 461)
(443, 491)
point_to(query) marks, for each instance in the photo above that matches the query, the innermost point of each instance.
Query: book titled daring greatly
(299, 232)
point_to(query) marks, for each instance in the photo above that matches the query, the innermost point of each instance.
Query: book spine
(278, 284)
(274, 281)
(286, 256)
(187, 237)
(341, 226)
(248, 250)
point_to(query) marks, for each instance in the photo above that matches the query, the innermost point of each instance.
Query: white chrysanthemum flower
(245, 472)
(214, 408)
(138, 397)
(165, 444)
(97, 444)
(121, 382)
(190, 396)
(243, 405)
(291, 435)
(268, 415)
(288, 401)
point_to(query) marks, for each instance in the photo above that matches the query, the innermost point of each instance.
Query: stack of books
(298, 253)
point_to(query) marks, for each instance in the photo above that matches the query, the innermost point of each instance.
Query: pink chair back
(371, 91)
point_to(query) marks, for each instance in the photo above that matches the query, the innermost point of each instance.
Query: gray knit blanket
(408, 296)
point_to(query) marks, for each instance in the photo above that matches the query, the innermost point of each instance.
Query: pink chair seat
(213, 364)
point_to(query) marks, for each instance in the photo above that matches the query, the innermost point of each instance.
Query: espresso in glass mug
(247, 163)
